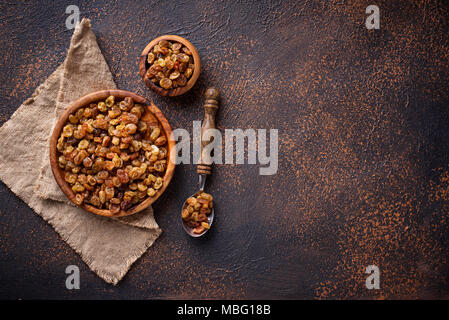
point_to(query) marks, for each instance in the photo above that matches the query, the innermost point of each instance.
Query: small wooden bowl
(153, 116)
(143, 66)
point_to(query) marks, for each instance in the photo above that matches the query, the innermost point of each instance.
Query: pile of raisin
(196, 211)
(110, 157)
(170, 64)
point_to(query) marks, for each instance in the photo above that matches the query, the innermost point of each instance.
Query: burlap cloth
(108, 246)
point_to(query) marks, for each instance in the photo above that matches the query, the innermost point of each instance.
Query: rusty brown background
(363, 135)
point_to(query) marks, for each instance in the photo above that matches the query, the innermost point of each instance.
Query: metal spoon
(204, 167)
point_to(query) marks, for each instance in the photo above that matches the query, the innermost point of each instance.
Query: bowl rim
(175, 91)
(94, 97)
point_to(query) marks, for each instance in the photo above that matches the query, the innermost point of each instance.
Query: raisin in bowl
(170, 65)
(110, 153)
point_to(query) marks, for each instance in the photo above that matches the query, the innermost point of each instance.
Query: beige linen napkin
(108, 246)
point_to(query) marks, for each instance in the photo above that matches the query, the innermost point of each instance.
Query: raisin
(174, 75)
(176, 46)
(150, 58)
(87, 162)
(186, 51)
(125, 205)
(182, 80)
(188, 72)
(165, 83)
(114, 208)
(183, 57)
(182, 67)
(123, 176)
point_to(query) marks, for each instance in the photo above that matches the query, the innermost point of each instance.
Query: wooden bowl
(143, 66)
(153, 116)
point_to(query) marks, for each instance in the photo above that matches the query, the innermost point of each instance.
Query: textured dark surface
(364, 148)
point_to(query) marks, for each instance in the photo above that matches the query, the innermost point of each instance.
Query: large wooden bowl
(153, 116)
(143, 66)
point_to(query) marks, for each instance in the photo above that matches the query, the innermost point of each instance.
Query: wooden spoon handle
(210, 109)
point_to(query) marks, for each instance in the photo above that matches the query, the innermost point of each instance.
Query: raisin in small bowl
(170, 65)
